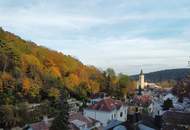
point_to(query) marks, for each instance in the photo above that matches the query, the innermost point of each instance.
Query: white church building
(107, 110)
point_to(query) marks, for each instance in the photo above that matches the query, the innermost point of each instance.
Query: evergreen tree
(61, 121)
(167, 104)
(8, 118)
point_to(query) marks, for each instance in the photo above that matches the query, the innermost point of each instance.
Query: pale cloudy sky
(126, 35)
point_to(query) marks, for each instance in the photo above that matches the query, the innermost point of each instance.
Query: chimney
(45, 120)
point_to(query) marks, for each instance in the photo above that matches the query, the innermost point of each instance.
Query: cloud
(126, 35)
(129, 55)
(56, 14)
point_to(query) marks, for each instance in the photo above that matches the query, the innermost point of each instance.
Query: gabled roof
(77, 118)
(108, 104)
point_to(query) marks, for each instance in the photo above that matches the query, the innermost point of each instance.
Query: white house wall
(105, 117)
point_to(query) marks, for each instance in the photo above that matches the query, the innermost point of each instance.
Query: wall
(105, 117)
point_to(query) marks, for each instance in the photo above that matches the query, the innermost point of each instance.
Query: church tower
(141, 79)
(140, 83)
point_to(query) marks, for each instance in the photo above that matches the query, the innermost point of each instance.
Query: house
(176, 120)
(107, 110)
(155, 108)
(80, 122)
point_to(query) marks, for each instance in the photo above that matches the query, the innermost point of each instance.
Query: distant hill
(164, 75)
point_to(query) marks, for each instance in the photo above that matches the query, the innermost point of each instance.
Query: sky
(126, 35)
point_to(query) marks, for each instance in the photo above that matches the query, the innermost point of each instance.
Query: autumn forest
(34, 74)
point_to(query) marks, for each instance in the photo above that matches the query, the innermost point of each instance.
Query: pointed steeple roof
(141, 72)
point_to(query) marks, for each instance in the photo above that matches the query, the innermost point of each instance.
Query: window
(121, 114)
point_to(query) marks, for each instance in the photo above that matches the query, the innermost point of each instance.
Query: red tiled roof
(78, 116)
(106, 105)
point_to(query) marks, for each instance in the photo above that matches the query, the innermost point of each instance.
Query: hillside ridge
(163, 75)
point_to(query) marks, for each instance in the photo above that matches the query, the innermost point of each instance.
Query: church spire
(141, 72)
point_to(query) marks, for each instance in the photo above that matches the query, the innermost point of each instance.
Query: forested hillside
(32, 73)
(165, 75)
(28, 70)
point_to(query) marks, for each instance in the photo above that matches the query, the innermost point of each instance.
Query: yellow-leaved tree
(72, 81)
(26, 84)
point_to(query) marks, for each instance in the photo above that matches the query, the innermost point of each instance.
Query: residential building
(107, 110)
(155, 108)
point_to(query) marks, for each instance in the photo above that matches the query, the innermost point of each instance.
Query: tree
(8, 117)
(123, 80)
(34, 91)
(3, 56)
(55, 71)
(182, 88)
(54, 93)
(123, 85)
(4, 61)
(72, 81)
(22, 113)
(94, 86)
(45, 108)
(8, 87)
(61, 121)
(167, 104)
(1, 85)
(81, 90)
(26, 84)
(110, 72)
(109, 81)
